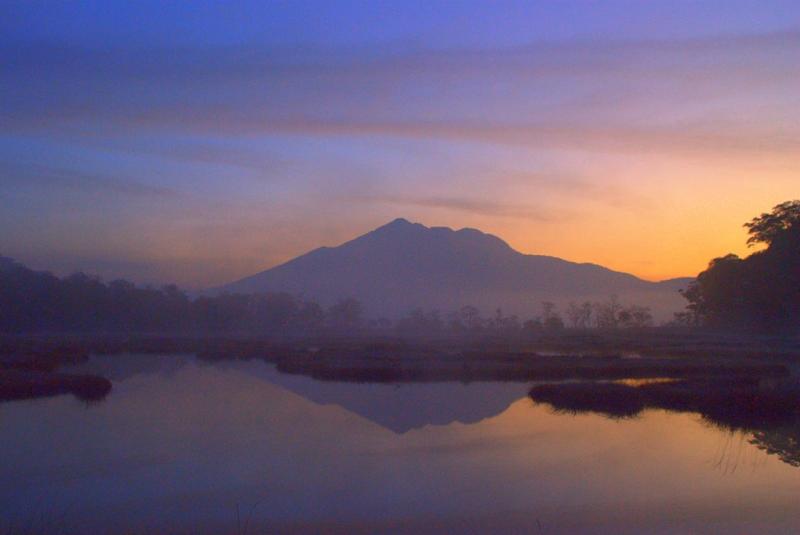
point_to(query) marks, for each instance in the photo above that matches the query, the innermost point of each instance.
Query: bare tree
(579, 316)
(606, 315)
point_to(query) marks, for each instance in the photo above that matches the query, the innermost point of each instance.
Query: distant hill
(404, 265)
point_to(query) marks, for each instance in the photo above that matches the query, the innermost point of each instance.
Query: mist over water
(349, 267)
(181, 445)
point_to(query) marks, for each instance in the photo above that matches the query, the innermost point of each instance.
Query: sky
(200, 142)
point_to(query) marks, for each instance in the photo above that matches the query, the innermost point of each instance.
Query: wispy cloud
(473, 206)
(17, 174)
(688, 140)
(261, 161)
(712, 96)
(562, 134)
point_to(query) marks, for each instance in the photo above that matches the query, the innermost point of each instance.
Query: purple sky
(199, 142)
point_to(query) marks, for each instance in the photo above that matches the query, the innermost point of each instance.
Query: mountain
(396, 407)
(404, 265)
(402, 407)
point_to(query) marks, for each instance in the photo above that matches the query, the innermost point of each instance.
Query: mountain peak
(399, 223)
(416, 235)
(404, 265)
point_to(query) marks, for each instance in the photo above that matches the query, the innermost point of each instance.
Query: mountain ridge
(403, 265)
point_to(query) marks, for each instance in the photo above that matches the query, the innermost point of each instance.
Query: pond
(186, 446)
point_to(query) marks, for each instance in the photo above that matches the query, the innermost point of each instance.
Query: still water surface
(185, 446)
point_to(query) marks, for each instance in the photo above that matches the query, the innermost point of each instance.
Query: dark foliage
(17, 384)
(771, 226)
(760, 292)
(736, 402)
(39, 302)
(769, 410)
(32, 301)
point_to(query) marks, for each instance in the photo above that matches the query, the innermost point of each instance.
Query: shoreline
(29, 364)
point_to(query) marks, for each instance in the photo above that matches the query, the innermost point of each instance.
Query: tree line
(610, 314)
(760, 292)
(36, 301)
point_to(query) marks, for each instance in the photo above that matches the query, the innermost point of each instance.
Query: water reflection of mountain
(118, 368)
(396, 407)
(406, 406)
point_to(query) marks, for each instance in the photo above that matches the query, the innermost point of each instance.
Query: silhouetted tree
(310, 316)
(635, 316)
(345, 314)
(32, 301)
(579, 316)
(606, 314)
(471, 317)
(760, 292)
(770, 226)
(532, 326)
(502, 324)
(551, 320)
(420, 323)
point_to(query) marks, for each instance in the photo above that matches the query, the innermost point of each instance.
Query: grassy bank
(24, 384)
(745, 402)
(580, 355)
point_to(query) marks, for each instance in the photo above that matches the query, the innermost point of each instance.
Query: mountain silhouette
(402, 265)
(403, 407)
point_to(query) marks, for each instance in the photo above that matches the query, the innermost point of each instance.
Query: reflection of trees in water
(783, 442)
(768, 417)
(731, 454)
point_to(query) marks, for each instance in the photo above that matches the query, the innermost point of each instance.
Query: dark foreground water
(183, 446)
